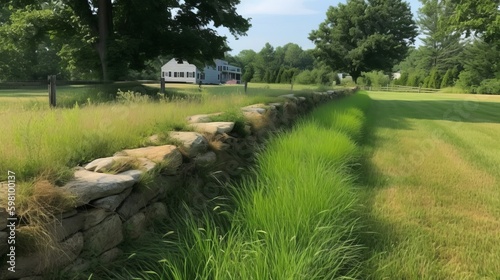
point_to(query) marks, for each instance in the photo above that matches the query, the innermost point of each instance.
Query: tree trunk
(355, 74)
(105, 27)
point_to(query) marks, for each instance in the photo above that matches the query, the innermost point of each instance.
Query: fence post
(162, 85)
(52, 90)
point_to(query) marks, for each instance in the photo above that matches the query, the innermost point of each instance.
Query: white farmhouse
(183, 72)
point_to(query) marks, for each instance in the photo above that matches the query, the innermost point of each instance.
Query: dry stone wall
(112, 203)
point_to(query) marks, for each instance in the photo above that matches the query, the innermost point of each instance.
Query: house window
(193, 75)
(197, 75)
(175, 74)
(181, 74)
(218, 77)
(170, 73)
(202, 76)
(162, 74)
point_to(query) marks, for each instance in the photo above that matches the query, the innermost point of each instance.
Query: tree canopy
(105, 38)
(478, 17)
(362, 36)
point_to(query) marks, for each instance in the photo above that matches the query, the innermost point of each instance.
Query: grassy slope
(433, 195)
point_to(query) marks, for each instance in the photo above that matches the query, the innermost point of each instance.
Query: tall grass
(294, 218)
(37, 141)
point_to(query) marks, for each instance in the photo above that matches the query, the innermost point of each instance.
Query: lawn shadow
(379, 236)
(395, 114)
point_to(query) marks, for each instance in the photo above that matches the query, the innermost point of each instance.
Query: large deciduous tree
(109, 37)
(365, 35)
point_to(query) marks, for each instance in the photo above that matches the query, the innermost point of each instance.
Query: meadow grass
(294, 217)
(432, 197)
(37, 140)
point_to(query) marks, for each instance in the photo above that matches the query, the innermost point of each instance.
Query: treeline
(474, 69)
(283, 64)
(446, 59)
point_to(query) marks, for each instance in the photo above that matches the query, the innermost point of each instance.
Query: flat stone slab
(201, 118)
(290, 96)
(193, 143)
(257, 108)
(104, 236)
(117, 164)
(213, 127)
(143, 196)
(276, 104)
(157, 154)
(135, 226)
(111, 202)
(94, 216)
(87, 185)
(136, 174)
(67, 227)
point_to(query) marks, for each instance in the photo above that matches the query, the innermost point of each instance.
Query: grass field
(432, 195)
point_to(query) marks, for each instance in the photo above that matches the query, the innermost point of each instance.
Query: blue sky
(283, 21)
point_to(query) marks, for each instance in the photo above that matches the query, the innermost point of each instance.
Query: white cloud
(276, 7)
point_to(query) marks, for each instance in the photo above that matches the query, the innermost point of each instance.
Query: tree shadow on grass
(379, 236)
(395, 114)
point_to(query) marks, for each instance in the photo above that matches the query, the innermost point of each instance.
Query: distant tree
(365, 35)
(441, 46)
(434, 80)
(447, 79)
(403, 79)
(479, 67)
(414, 80)
(26, 49)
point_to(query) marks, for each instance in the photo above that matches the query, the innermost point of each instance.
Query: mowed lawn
(432, 186)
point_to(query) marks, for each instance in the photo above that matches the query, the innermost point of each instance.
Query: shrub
(489, 86)
(468, 80)
(305, 77)
(376, 79)
(347, 82)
